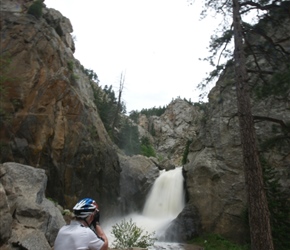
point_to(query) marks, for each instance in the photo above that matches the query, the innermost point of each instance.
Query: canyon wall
(49, 119)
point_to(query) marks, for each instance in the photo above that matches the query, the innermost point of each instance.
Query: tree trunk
(259, 221)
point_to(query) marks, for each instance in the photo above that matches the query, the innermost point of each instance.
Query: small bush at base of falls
(128, 234)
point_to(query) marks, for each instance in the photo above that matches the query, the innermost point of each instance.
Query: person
(84, 232)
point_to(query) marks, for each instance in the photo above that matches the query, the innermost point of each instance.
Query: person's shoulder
(64, 227)
(79, 227)
(69, 226)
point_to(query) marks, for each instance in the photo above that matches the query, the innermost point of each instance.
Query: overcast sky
(156, 43)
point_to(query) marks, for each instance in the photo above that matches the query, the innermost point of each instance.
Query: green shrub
(185, 153)
(127, 234)
(35, 9)
(217, 242)
(146, 147)
(152, 130)
(70, 66)
(160, 158)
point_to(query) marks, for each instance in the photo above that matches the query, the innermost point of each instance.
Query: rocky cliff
(215, 168)
(50, 122)
(215, 174)
(172, 130)
(48, 117)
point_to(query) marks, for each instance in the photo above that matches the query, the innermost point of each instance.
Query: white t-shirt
(77, 237)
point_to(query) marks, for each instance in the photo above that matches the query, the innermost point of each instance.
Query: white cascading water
(166, 199)
(164, 202)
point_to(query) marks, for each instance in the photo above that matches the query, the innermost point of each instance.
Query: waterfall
(164, 202)
(166, 199)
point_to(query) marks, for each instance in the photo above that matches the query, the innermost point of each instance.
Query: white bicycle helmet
(85, 207)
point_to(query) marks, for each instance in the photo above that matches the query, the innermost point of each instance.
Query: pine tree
(244, 45)
(259, 218)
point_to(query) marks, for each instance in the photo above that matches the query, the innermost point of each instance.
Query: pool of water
(174, 246)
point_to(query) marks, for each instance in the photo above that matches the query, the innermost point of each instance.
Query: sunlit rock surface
(51, 120)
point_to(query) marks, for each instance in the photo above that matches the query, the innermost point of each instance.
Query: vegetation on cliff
(121, 130)
(35, 9)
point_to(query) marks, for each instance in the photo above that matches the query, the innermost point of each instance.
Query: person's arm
(101, 234)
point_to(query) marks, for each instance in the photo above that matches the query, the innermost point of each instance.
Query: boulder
(62, 26)
(185, 226)
(28, 218)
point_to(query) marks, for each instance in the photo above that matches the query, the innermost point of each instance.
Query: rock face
(51, 121)
(137, 177)
(172, 130)
(186, 226)
(215, 173)
(28, 219)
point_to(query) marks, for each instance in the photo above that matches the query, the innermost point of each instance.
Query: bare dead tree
(121, 87)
